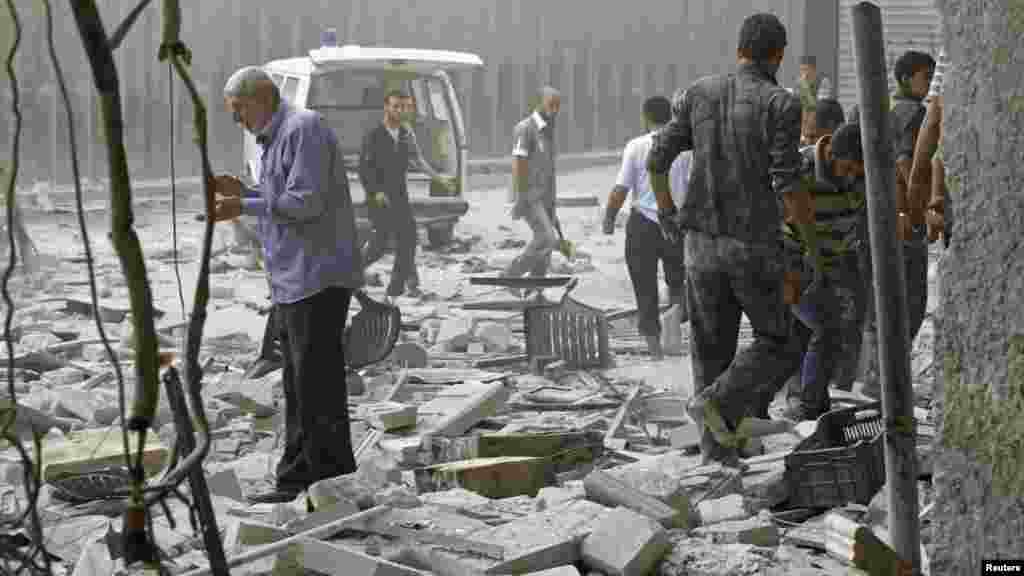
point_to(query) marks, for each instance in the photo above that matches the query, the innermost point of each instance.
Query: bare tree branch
(122, 29)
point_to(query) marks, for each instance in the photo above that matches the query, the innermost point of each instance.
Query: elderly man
(307, 227)
(744, 130)
(533, 185)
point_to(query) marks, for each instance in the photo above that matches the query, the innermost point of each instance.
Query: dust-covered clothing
(534, 141)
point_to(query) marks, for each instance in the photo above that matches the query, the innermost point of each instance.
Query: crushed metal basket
(842, 462)
(372, 333)
(88, 486)
(570, 330)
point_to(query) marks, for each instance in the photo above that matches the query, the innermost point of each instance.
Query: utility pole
(889, 283)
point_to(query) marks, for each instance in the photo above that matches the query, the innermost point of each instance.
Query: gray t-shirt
(537, 145)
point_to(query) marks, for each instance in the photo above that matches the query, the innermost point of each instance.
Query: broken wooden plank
(620, 417)
(491, 477)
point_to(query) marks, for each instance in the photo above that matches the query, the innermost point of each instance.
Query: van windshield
(352, 102)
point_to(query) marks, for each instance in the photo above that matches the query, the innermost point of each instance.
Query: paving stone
(624, 543)
(758, 531)
(722, 510)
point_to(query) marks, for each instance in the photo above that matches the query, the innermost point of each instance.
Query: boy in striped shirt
(824, 254)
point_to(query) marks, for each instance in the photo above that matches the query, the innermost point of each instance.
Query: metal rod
(325, 531)
(889, 283)
(186, 441)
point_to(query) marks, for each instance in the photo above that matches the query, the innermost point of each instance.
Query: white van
(347, 85)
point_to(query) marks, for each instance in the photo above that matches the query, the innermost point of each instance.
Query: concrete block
(757, 531)
(765, 485)
(655, 483)
(606, 489)
(685, 436)
(724, 509)
(254, 397)
(325, 493)
(388, 415)
(558, 495)
(455, 333)
(624, 543)
(336, 511)
(562, 526)
(495, 337)
(225, 483)
(334, 559)
(559, 571)
(90, 450)
(456, 409)
(410, 355)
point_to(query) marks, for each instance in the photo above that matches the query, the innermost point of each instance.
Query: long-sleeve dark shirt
(744, 130)
(384, 163)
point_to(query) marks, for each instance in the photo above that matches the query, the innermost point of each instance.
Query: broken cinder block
(491, 477)
(625, 543)
(724, 509)
(388, 415)
(606, 489)
(757, 531)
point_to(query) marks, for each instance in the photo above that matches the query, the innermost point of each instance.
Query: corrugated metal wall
(908, 25)
(606, 58)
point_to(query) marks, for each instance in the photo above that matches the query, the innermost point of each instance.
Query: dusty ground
(486, 240)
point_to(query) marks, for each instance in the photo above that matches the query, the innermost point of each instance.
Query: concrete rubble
(469, 464)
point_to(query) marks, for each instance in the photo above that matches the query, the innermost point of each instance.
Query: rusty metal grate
(570, 330)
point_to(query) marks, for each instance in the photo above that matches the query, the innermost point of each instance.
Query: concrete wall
(605, 57)
(979, 473)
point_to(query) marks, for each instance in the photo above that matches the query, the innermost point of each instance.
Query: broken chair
(569, 330)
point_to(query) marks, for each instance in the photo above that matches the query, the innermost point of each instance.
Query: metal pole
(889, 283)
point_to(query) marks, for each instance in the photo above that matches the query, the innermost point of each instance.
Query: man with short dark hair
(744, 130)
(308, 232)
(645, 244)
(384, 160)
(913, 73)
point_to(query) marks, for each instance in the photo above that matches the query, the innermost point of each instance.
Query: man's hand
(936, 224)
(227, 208)
(448, 182)
(228, 186)
(669, 226)
(799, 206)
(904, 227)
(378, 200)
(608, 226)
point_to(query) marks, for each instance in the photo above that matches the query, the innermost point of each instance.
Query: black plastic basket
(842, 462)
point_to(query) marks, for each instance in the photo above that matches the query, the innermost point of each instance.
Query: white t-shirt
(633, 176)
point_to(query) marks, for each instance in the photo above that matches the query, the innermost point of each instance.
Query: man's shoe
(276, 496)
(705, 412)
(261, 368)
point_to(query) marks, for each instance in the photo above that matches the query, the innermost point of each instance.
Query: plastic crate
(570, 330)
(842, 462)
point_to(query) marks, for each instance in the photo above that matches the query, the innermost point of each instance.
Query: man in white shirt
(645, 244)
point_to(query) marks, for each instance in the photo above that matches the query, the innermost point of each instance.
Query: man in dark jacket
(744, 130)
(388, 151)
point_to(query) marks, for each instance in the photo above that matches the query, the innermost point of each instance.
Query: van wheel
(441, 235)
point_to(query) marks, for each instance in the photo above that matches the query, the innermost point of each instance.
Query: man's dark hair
(846, 143)
(910, 63)
(658, 110)
(398, 94)
(828, 114)
(761, 36)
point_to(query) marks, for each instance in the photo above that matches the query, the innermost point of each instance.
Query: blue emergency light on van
(329, 37)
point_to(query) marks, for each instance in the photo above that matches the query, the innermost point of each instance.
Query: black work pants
(394, 226)
(645, 247)
(318, 441)
(726, 278)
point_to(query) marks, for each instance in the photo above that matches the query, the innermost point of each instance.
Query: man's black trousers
(318, 441)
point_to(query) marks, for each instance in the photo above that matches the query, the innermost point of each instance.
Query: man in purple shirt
(307, 228)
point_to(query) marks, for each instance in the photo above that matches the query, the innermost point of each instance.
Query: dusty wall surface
(979, 511)
(605, 57)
